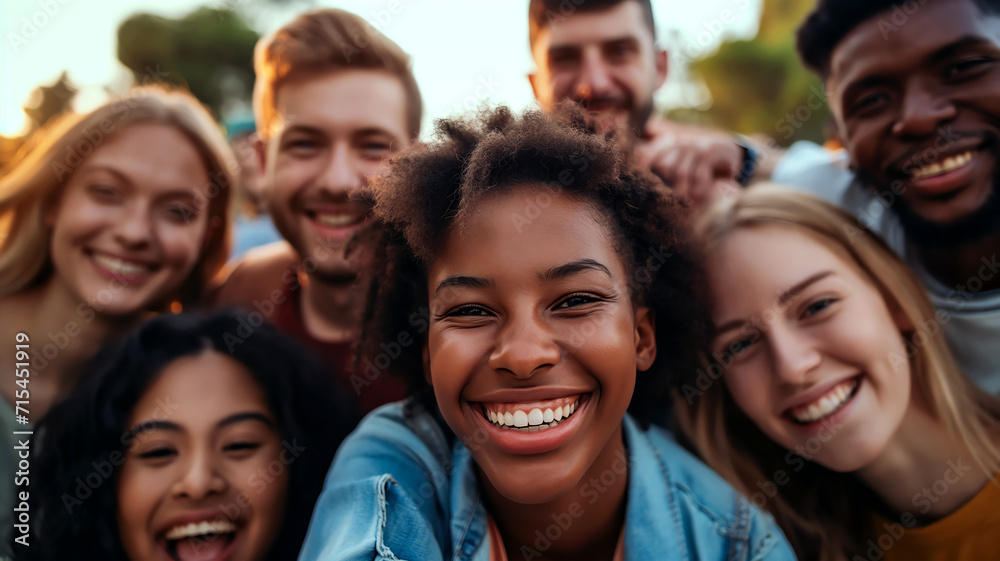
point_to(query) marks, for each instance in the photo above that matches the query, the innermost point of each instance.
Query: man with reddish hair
(333, 99)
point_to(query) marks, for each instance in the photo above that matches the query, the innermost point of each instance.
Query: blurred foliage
(759, 86)
(46, 102)
(209, 51)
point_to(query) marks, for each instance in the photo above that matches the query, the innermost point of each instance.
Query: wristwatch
(750, 158)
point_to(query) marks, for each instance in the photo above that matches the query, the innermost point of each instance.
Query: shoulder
(707, 508)
(255, 276)
(393, 440)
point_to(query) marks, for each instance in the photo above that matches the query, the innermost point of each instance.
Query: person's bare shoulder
(255, 276)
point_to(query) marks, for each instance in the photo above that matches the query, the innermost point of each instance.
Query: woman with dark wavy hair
(190, 439)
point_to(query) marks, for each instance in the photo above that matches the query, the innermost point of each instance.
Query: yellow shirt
(971, 533)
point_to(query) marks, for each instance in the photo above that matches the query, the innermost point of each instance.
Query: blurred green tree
(759, 86)
(209, 51)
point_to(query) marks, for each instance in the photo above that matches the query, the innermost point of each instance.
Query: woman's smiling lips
(534, 428)
(123, 269)
(204, 535)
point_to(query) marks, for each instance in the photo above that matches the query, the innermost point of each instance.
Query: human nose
(525, 346)
(133, 228)
(794, 353)
(594, 78)
(200, 478)
(342, 174)
(921, 112)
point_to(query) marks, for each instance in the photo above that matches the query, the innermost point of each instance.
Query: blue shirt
(398, 490)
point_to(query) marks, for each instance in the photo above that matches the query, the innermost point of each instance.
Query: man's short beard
(919, 231)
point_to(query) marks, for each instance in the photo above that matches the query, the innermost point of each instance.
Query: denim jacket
(397, 490)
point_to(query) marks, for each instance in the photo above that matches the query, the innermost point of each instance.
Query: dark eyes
(577, 300)
(966, 67)
(158, 453)
(103, 192)
(570, 302)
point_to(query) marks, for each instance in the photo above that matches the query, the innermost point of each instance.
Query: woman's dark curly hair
(87, 433)
(429, 189)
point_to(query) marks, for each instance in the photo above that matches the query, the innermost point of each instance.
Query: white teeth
(335, 220)
(944, 166)
(534, 420)
(200, 529)
(535, 417)
(119, 266)
(826, 405)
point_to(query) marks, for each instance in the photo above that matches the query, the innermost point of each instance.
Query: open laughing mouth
(827, 404)
(201, 541)
(531, 416)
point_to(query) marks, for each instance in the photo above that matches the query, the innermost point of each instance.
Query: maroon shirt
(371, 389)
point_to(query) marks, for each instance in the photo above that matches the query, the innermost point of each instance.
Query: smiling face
(918, 107)
(817, 354)
(131, 221)
(604, 59)
(533, 324)
(335, 131)
(203, 477)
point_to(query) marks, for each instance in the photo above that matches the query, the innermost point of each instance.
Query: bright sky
(465, 52)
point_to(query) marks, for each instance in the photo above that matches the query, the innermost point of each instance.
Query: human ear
(645, 338)
(533, 80)
(662, 65)
(427, 365)
(260, 149)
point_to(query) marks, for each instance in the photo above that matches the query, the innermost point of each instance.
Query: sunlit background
(465, 53)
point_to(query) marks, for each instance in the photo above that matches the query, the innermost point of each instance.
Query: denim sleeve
(384, 496)
(766, 541)
(368, 519)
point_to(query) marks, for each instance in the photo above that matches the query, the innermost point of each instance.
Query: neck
(972, 267)
(924, 471)
(329, 309)
(589, 518)
(64, 334)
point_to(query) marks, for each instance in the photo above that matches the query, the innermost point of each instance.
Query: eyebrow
(464, 281)
(573, 267)
(784, 298)
(162, 424)
(576, 46)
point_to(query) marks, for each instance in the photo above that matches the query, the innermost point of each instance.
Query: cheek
(137, 496)
(183, 244)
(751, 394)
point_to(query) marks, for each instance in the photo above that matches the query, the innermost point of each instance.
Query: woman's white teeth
(201, 529)
(335, 220)
(534, 420)
(118, 266)
(944, 166)
(826, 405)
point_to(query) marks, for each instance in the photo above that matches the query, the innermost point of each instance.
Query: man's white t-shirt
(970, 316)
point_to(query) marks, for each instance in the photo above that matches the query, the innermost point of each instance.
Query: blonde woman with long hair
(109, 216)
(830, 396)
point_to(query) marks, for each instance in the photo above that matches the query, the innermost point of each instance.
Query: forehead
(526, 229)
(576, 28)
(151, 155)
(896, 43)
(343, 102)
(199, 390)
(768, 260)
